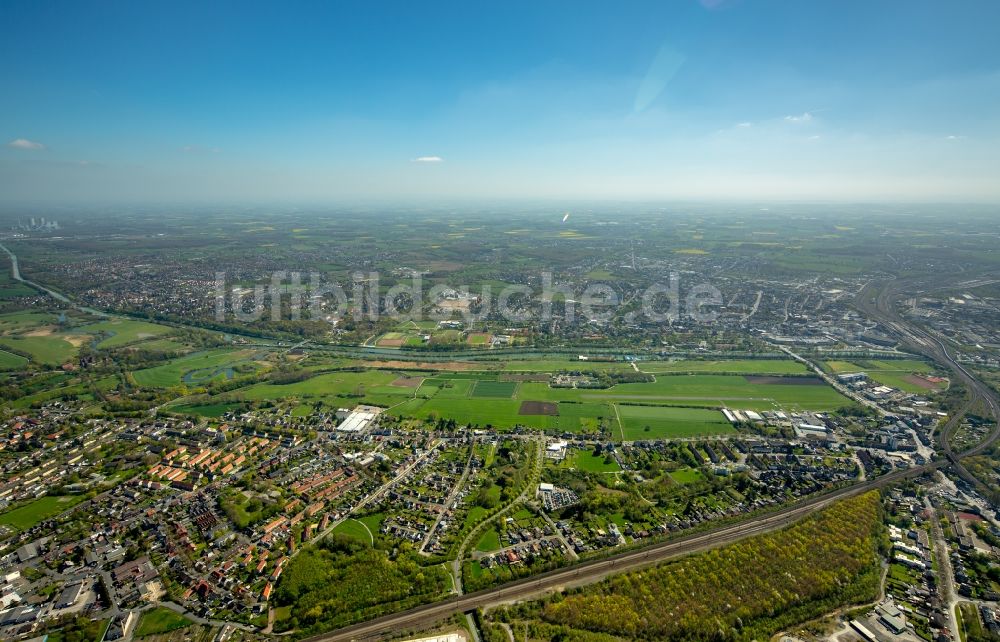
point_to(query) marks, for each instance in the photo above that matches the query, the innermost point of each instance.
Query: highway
(875, 302)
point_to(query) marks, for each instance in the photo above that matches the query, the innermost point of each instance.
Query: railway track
(878, 305)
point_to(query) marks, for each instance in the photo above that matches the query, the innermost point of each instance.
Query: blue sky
(322, 101)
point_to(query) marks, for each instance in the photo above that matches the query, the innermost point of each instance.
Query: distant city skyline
(310, 102)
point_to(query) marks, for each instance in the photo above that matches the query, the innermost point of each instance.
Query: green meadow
(124, 331)
(50, 350)
(663, 422)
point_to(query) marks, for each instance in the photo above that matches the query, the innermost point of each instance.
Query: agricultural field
(643, 409)
(662, 422)
(494, 412)
(498, 389)
(908, 375)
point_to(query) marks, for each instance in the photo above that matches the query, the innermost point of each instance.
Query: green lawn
(664, 422)
(373, 521)
(490, 541)
(686, 475)
(587, 461)
(579, 408)
(24, 517)
(474, 515)
(160, 620)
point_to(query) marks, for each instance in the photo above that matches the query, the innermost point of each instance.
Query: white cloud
(803, 118)
(954, 137)
(24, 143)
(428, 159)
(744, 125)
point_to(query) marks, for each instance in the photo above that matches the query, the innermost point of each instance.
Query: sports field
(24, 517)
(355, 530)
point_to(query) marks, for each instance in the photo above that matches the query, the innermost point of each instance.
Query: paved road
(878, 303)
(529, 490)
(595, 570)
